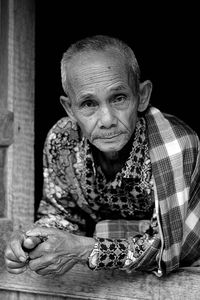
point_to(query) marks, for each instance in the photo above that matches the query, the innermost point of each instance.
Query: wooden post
(17, 109)
(16, 117)
(6, 139)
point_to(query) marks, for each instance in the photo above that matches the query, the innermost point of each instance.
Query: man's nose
(107, 117)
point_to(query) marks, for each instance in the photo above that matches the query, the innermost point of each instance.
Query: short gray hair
(101, 43)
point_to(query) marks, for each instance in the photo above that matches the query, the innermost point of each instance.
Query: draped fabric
(165, 190)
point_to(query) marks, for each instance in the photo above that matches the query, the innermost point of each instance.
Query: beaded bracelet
(108, 254)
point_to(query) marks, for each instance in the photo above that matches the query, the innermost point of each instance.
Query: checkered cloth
(174, 153)
(120, 229)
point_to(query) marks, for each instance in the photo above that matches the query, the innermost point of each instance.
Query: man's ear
(145, 90)
(66, 103)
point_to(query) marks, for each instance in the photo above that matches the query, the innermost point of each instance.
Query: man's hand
(59, 251)
(16, 253)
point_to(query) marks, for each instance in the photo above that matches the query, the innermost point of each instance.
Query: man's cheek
(86, 129)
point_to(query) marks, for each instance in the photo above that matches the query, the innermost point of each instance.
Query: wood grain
(5, 230)
(81, 283)
(19, 173)
(4, 52)
(6, 128)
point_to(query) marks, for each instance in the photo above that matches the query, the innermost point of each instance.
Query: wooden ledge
(82, 283)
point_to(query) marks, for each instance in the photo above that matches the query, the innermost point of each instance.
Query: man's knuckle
(53, 268)
(41, 272)
(8, 254)
(33, 266)
(13, 243)
(47, 247)
(50, 257)
(9, 263)
(15, 271)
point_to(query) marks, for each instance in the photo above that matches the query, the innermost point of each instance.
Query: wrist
(85, 247)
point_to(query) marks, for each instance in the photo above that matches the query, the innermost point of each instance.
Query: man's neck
(110, 156)
(112, 162)
(109, 163)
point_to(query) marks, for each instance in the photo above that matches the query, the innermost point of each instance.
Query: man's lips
(108, 137)
(111, 136)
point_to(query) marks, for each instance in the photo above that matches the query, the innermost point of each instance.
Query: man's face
(102, 98)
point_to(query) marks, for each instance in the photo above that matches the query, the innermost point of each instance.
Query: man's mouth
(108, 136)
(111, 136)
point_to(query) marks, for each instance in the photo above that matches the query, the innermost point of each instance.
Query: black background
(163, 37)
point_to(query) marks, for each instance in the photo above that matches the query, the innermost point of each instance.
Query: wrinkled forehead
(109, 54)
(88, 65)
(96, 60)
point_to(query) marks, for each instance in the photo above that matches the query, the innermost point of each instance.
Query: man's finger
(31, 242)
(39, 263)
(13, 264)
(40, 232)
(9, 254)
(16, 247)
(40, 250)
(17, 271)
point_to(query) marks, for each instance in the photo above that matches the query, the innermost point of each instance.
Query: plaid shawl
(174, 153)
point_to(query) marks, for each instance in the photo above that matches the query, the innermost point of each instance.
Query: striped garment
(174, 153)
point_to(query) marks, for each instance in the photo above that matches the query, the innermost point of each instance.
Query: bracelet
(108, 254)
(92, 260)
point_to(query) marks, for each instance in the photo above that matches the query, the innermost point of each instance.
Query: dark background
(163, 37)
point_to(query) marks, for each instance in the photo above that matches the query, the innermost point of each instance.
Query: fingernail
(22, 258)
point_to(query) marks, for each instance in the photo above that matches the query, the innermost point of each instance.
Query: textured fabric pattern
(174, 155)
(77, 188)
(112, 253)
(128, 195)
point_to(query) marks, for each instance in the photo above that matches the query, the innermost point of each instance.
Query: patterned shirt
(161, 172)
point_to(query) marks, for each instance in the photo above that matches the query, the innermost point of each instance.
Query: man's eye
(88, 104)
(119, 99)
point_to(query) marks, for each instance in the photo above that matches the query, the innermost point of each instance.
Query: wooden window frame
(17, 29)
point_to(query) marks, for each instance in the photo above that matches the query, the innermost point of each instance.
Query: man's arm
(139, 252)
(50, 214)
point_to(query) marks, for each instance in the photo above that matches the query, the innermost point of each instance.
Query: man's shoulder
(65, 123)
(63, 131)
(180, 127)
(165, 129)
(175, 121)
(163, 120)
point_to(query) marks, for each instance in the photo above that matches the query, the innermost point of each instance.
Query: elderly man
(120, 177)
